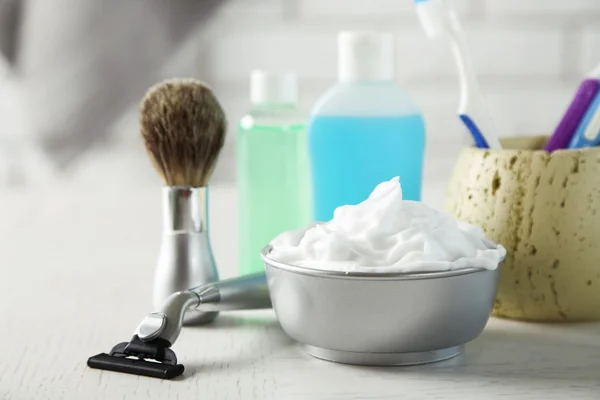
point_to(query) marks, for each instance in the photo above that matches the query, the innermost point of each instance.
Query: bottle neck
(365, 56)
(273, 107)
(365, 81)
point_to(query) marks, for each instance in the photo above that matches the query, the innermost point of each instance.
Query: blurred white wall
(529, 54)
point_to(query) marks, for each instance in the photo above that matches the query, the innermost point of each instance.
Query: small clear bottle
(272, 166)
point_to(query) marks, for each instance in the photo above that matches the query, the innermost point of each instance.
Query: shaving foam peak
(387, 234)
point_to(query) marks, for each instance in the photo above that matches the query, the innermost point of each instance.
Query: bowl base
(383, 359)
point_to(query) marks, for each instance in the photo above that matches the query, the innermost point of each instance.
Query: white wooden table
(77, 268)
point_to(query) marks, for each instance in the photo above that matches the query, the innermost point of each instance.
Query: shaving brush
(183, 127)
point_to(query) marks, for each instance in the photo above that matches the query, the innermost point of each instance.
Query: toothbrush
(588, 131)
(565, 132)
(440, 19)
(579, 126)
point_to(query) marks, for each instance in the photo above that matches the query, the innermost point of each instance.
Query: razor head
(137, 367)
(154, 359)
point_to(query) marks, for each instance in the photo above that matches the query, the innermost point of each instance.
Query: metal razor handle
(248, 292)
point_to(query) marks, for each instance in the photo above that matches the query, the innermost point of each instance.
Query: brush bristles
(183, 127)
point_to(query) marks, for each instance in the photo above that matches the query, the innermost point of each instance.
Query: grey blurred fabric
(80, 63)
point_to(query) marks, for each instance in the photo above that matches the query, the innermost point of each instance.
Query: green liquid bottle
(272, 167)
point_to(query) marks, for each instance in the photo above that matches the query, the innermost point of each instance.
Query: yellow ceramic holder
(545, 209)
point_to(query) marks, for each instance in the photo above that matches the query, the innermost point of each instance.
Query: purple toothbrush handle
(568, 124)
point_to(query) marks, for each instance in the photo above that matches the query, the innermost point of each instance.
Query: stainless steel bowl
(380, 319)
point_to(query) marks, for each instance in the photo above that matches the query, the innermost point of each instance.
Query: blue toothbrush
(588, 130)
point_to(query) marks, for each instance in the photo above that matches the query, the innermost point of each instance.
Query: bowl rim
(264, 254)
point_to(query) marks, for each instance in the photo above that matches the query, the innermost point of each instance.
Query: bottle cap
(365, 56)
(273, 88)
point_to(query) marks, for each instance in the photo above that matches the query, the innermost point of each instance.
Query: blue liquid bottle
(365, 130)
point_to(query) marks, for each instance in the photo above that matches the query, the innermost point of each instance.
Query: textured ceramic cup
(545, 209)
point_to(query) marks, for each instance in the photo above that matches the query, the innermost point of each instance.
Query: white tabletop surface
(77, 266)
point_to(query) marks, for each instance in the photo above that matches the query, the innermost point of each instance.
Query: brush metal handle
(186, 259)
(248, 292)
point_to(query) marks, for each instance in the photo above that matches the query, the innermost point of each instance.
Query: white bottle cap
(365, 56)
(273, 88)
